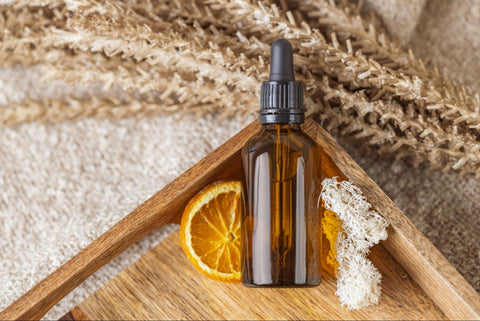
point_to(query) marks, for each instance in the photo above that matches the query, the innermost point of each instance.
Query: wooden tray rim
(412, 250)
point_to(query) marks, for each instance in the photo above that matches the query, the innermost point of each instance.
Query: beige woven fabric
(400, 18)
(445, 207)
(62, 185)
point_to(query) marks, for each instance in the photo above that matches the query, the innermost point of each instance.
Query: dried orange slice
(210, 231)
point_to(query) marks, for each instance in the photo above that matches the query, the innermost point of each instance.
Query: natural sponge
(358, 281)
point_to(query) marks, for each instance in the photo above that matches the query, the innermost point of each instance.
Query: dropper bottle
(281, 227)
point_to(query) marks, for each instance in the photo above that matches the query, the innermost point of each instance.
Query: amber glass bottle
(281, 227)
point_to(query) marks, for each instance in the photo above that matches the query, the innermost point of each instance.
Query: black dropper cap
(281, 97)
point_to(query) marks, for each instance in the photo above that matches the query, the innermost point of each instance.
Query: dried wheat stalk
(404, 124)
(219, 66)
(354, 69)
(453, 101)
(420, 141)
(199, 92)
(370, 115)
(161, 80)
(431, 135)
(22, 31)
(54, 110)
(73, 68)
(169, 84)
(279, 26)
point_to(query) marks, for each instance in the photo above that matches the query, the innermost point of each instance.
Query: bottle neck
(281, 126)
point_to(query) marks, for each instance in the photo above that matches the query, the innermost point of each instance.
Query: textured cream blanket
(62, 185)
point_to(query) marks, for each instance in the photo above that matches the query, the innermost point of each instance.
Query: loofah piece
(358, 281)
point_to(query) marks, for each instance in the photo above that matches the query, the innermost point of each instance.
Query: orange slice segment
(210, 231)
(331, 226)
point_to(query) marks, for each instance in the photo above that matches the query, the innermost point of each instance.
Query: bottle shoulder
(294, 140)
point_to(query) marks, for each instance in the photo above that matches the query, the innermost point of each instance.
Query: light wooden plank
(164, 285)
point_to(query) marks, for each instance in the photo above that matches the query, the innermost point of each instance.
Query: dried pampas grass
(202, 56)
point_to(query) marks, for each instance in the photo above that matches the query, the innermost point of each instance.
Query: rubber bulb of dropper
(281, 61)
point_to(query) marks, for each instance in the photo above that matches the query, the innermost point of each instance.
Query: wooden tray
(418, 282)
(164, 285)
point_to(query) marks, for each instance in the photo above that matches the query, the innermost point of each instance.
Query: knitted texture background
(62, 185)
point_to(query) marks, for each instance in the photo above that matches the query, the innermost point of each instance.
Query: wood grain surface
(420, 259)
(164, 285)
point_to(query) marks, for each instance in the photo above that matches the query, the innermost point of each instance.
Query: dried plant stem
(28, 51)
(355, 70)
(420, 140)
(167, 82)
(204, 56)
(329, 18)
(355, 101)
(26, 18)
(54, 110)
(166, 55)
(220, 66)
(406, 121)
(169, 85)
(22, 31)
(453, 101)
(37, 3)
(372, 46)
(189, 10)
